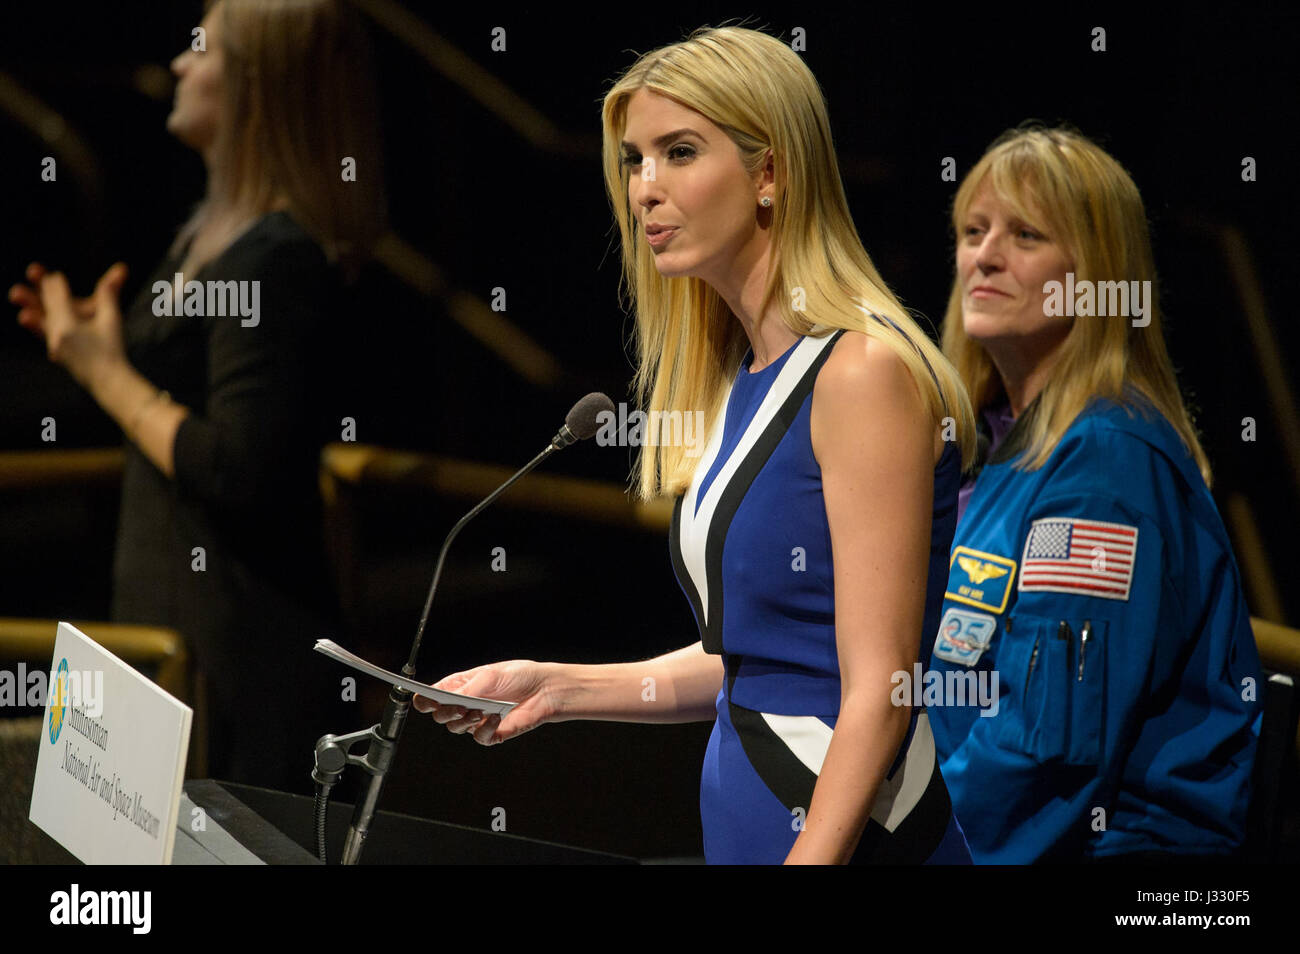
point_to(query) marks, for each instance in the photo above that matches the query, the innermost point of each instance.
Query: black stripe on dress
(781, 771)
(679, 564)
(732, 494)
(917, 836)
(912, 841)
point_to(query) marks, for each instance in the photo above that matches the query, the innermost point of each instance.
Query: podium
(249, 825)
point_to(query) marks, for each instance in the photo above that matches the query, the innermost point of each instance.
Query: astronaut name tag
(980, 579)
(963, 636)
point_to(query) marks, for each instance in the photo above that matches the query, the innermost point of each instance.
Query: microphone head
(582, 419)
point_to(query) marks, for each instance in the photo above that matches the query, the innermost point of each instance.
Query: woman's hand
(82, 334)
(521, 681)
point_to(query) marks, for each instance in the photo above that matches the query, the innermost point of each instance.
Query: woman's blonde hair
(1091, 207)
(298, 100)
(688, 344)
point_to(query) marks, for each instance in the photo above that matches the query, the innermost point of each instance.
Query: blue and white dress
(751, 548)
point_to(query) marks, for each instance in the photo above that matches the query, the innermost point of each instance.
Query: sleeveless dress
(751, 548)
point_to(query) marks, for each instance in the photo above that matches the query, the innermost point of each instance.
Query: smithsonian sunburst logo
(59, 701)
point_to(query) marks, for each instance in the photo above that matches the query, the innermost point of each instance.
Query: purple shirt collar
(1000, 420)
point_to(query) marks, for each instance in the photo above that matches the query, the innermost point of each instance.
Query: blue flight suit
(1147, 742)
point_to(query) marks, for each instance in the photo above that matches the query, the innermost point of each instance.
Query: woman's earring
(766, 202)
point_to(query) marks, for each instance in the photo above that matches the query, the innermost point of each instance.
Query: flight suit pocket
(1054, 706)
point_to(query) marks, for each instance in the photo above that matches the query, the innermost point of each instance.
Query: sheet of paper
(441, 696)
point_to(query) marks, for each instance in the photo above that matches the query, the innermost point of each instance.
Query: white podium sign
(112, 760)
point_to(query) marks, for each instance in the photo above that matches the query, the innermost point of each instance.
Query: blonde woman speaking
(811, 535)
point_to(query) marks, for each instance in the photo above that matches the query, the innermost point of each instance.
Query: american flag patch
(1071, 555)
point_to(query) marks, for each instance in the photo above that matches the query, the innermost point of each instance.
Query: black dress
(253, 599)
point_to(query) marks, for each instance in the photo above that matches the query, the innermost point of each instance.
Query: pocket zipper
(1083, 646)
(1033, 661)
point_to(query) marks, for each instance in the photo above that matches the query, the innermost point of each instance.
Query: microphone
(583, 419)
(332, 752)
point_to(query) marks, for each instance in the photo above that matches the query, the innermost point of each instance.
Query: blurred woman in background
(221, 387)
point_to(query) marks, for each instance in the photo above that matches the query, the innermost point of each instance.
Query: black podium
(278, 828)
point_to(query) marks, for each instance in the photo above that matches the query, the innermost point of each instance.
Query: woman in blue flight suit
(1093, 598)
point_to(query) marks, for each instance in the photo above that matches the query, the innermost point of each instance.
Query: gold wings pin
(980, 570)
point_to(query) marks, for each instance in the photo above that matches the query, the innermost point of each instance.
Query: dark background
(1179, 100)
